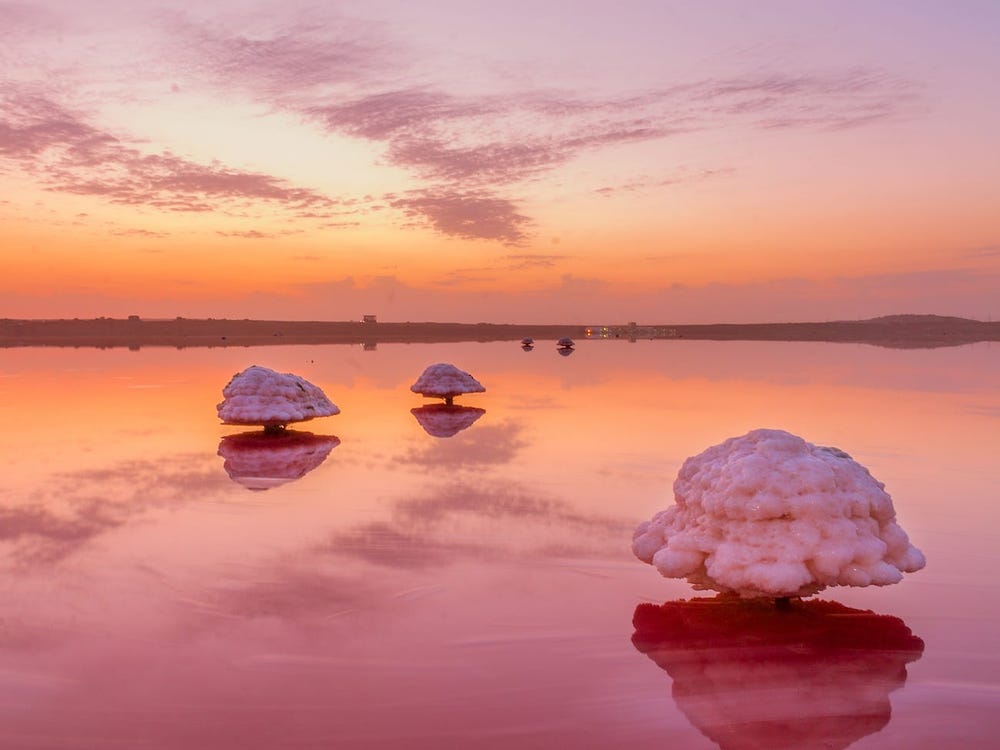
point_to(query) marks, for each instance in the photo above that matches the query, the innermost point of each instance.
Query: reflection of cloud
(39, 535)
(446, 420)
(400, 547)
(64, 516)
(451, 523)
(260, 460)
(749, 675)
(487, 445)
(288, 591)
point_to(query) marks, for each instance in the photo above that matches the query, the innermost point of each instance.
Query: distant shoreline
(897, 331)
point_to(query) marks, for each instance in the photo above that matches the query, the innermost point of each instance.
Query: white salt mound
(768, 514)
(265, 397)
(446, 381)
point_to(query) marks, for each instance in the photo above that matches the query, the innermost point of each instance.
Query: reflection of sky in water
(474, 591)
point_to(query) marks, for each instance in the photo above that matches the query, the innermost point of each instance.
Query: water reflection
(69, 510)
(749, 675)
(446, 420)
(261, 460)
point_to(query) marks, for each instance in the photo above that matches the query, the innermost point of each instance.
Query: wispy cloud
(466, 214)
(295, 60)
(533, 260)
(481, 144)
(990, 251)
(642, 183)
(68, 155)
(255, 234)
(140, 233)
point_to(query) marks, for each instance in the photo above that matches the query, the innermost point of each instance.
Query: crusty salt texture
(444, 380)
(265, 397)
(769, 514)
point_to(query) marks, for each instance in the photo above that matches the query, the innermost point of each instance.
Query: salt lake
(377, 579)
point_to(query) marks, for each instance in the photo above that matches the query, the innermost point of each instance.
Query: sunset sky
(578, 162)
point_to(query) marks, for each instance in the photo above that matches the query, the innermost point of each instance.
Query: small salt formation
(272, 399)
(445, 381)
(769, 515)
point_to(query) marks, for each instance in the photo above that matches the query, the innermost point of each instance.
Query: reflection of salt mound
(443, 420)
(751, 676)
(259, 460)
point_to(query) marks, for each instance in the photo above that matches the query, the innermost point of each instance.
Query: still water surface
(170, 583)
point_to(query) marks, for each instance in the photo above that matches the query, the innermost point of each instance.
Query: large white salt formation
(272, 399)
(770, 515)
(445, 381)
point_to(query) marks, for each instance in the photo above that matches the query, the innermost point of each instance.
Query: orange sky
(649, 161)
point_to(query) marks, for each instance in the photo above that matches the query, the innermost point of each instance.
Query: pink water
(375, 586)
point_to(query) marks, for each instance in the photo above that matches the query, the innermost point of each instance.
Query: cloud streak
(68, 155)
(472, 150)
(476, 215)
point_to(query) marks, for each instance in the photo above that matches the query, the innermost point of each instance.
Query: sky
(535, 162)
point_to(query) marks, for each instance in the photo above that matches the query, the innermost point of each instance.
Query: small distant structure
(134, 318)
(368, 319)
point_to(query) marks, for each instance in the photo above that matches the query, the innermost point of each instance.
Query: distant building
(368, 319)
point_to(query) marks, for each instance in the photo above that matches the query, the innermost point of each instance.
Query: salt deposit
(771, 515)
(265, 397)
(445, 381)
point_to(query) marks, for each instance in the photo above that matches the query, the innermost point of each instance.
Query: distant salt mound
(446, 381)
(262, 396)
(770, 515)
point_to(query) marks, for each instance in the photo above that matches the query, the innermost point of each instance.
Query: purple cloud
(520, 262)
(469, 214)
(493, 142)
(644, 184)
(466, 145)
(254, 234)
(70, 156)
(140, 233)
(382, 116)
(287, 63)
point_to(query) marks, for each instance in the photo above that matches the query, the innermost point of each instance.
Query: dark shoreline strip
(900, 331)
